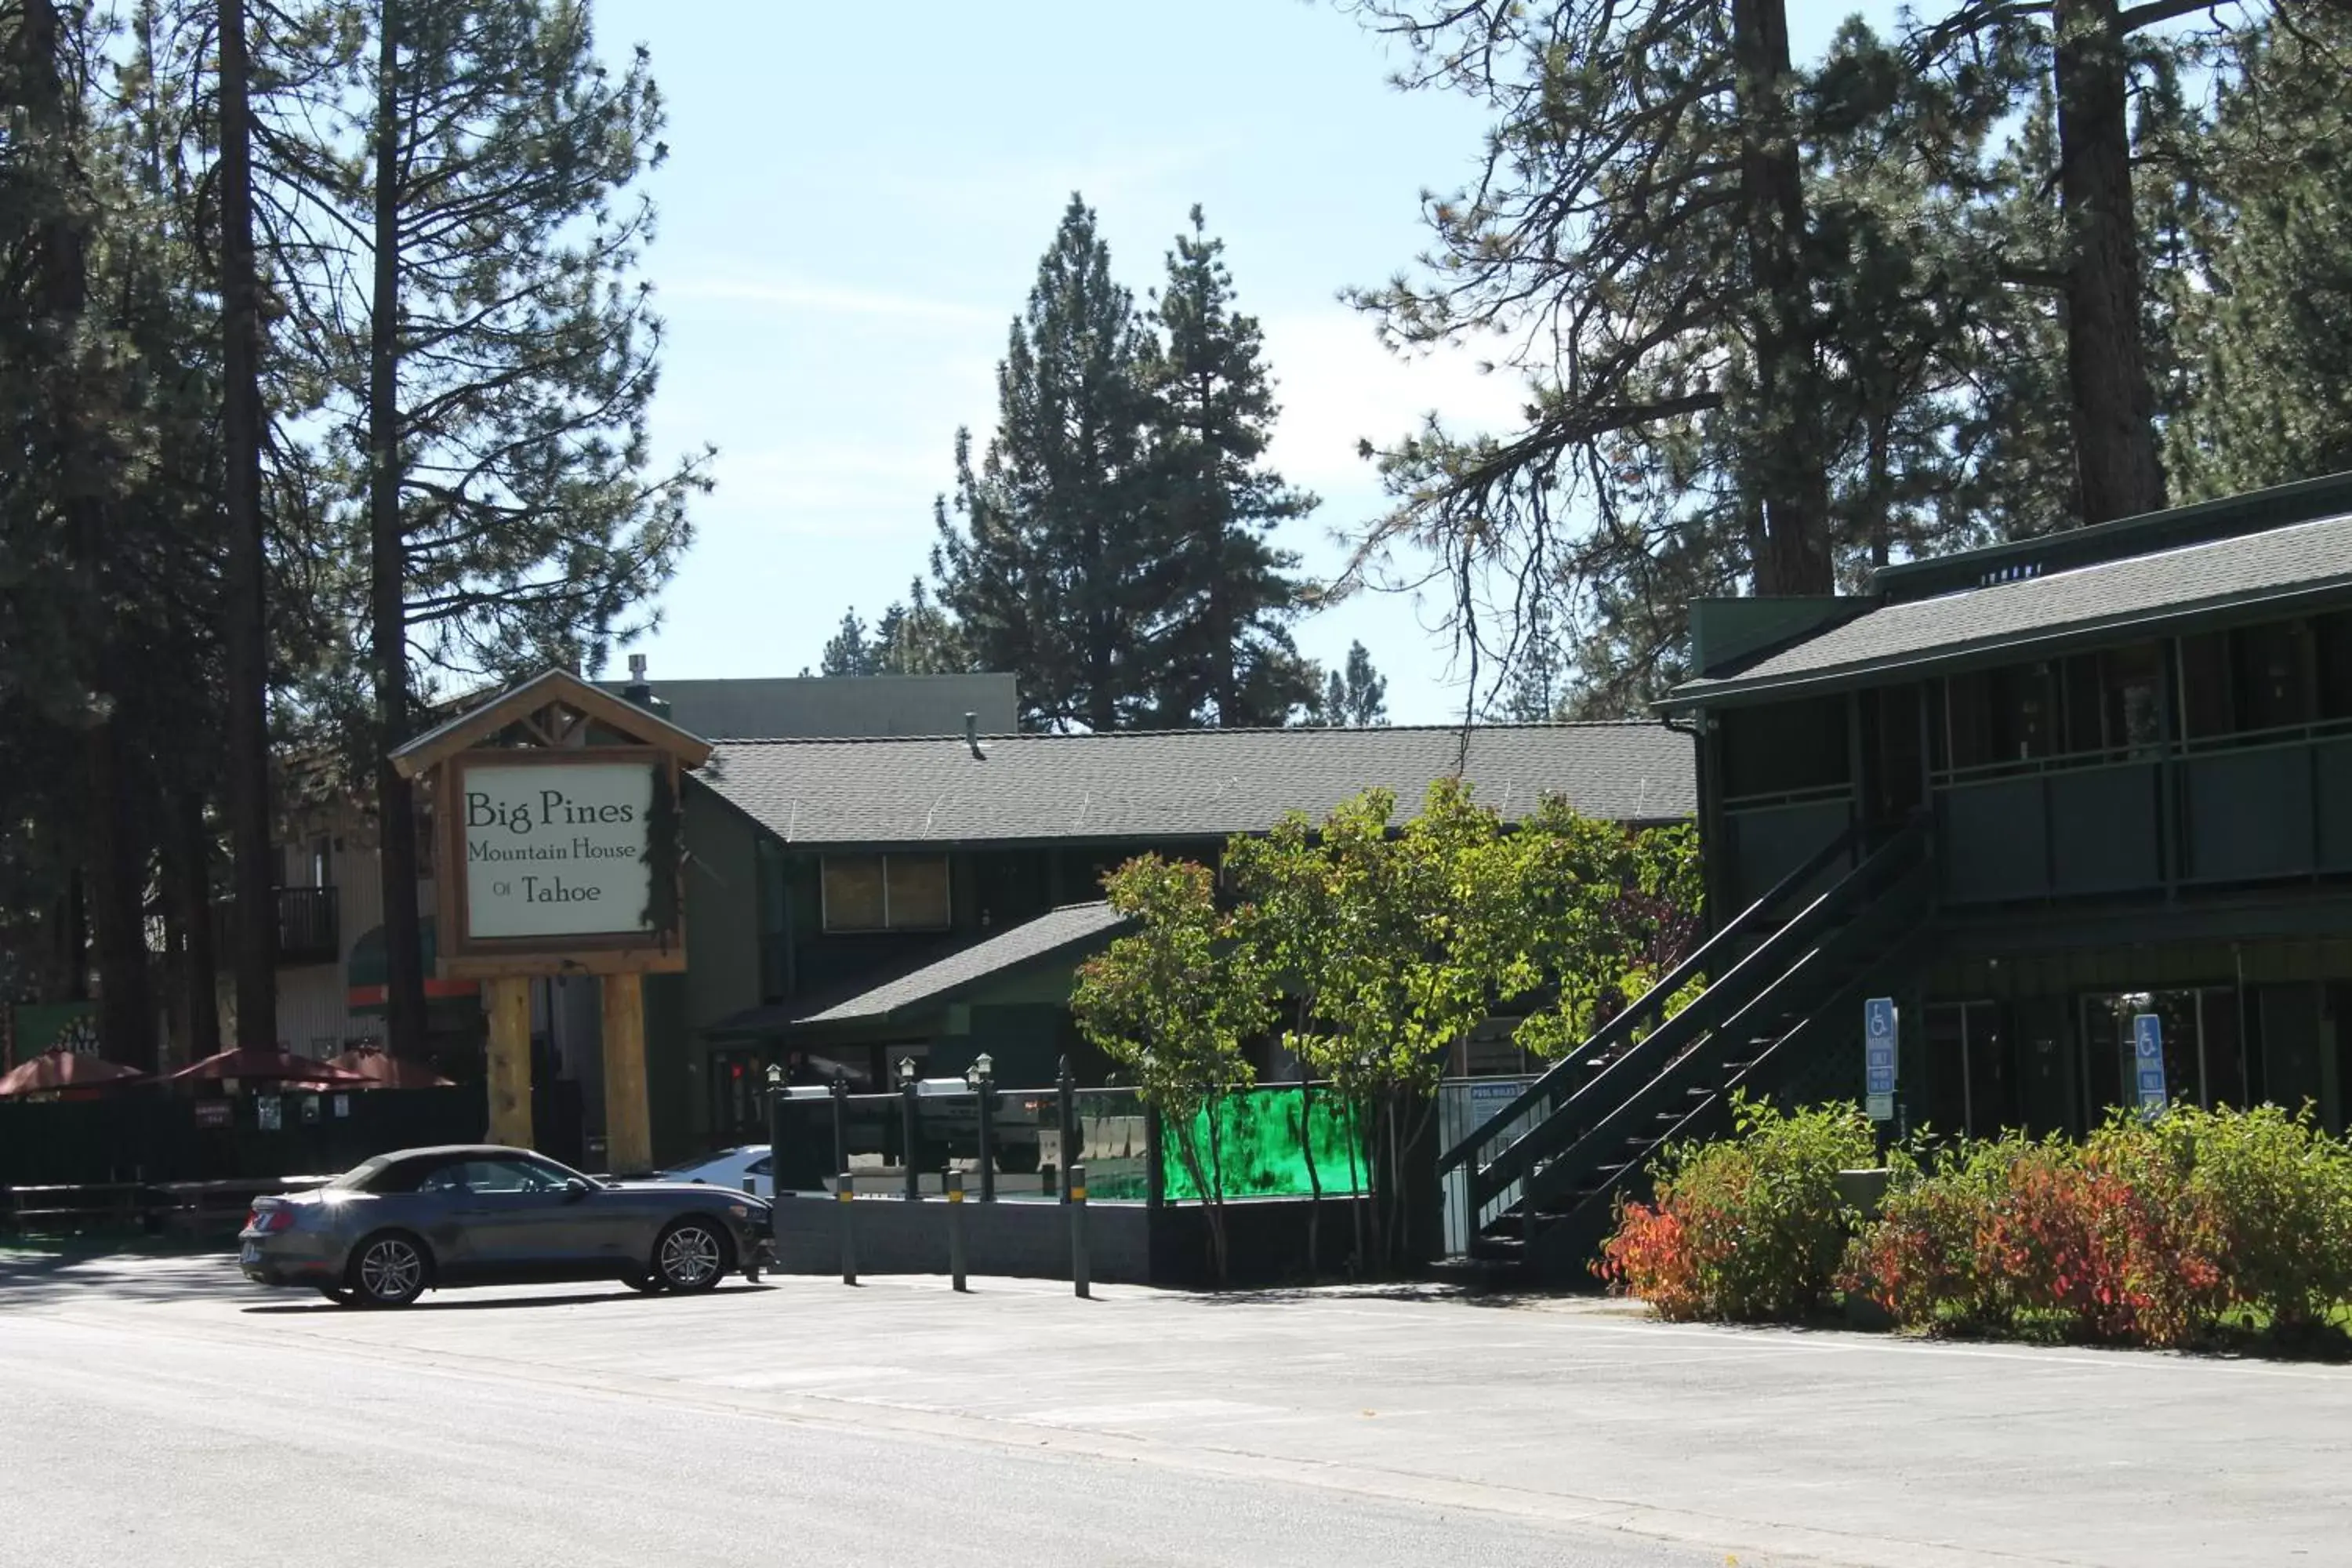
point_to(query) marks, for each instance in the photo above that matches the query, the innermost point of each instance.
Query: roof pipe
(972, 736)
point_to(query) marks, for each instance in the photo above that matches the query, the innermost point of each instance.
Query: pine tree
(1050, 559)
(1230, 659)
(1355, 696)
(2268, 332)
(492, 359)
(846, 652)
(109, 571)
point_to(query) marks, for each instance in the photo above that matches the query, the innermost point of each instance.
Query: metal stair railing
(1730, 997)
(1620, 1030)
(1844, 965)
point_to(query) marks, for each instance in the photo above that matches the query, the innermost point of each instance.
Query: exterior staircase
(1785, 981)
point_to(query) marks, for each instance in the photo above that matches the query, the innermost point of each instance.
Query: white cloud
(1339, 387)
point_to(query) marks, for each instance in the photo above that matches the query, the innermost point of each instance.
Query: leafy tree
(109, 572)
(1172, 1004)
(913, 636)
(1355, 696)
(847, 651)
(1639, 224)
(1050, 559)
(1229, 656)
(468, 295)
(2269, 329)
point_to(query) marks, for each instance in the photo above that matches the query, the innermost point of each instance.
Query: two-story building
(2134, 744)
(858, 901)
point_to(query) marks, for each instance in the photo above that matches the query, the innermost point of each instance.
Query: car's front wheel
(388, 1270)
(690, 1256)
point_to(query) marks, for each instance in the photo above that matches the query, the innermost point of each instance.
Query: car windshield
(358, 1179)
(714, 1157)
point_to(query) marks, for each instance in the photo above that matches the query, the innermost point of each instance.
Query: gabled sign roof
(523, 704)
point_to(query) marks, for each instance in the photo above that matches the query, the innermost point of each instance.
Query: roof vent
(972, 736)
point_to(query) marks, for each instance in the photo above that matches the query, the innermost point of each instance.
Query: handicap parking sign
(1879, 1044)
(2147, 1050)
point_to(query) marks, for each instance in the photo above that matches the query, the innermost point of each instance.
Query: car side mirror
(574, 1189)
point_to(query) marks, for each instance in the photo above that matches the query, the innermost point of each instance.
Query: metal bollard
(955, 1227)
(1077, 1201)
(847, 1203)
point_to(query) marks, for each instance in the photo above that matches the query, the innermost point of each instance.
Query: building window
(886, 892)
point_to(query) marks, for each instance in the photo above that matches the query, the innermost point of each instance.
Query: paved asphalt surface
(162, 1414)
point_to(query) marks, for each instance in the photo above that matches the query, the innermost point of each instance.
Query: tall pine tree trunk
(403, 949)
(118, 863)
(246, 637)
(2113, 403)
(192, 893)
(1791, 478)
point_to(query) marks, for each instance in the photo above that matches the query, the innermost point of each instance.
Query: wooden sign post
(558, 809)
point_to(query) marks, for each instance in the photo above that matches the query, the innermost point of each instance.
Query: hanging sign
(2148, 1061)
(556, 849)
(1879, 1035)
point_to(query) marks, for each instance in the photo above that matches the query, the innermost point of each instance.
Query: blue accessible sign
(2147, 1059)
(1879, 1041)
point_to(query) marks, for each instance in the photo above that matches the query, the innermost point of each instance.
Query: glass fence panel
(1254, 1147)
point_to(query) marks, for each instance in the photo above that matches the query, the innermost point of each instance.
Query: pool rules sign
(558, 849)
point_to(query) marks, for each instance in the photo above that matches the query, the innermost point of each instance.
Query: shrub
(2150, 1232)
(1749, 1230)
(1925, 1260)
(2275, 1194)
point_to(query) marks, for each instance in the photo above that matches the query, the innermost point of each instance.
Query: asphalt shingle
(1191, 783)
(2311, 556)
(1071, 926)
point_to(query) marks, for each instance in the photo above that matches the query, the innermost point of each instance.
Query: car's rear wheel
(388, 1270)
(340, 1295)
(690, 1256)
(1017, 1159)
(641, 1281)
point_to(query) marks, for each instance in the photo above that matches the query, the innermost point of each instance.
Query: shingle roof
(1191, 783)
(2306, 560)
(1068, 928)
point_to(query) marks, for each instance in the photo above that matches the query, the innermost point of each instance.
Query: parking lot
(161, 1406)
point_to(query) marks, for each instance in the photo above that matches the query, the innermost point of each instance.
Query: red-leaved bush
(2150, 1233)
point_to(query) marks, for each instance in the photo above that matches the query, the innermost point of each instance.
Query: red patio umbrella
(54, 1071)
(261, 1065)
(383, 1070)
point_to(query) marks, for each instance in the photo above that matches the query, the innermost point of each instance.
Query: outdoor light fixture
(984, 1067)
(775, 1076)
(905, 1069)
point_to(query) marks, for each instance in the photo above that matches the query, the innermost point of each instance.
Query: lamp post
(909, 1115)
(982, 1076)
(775, 1131)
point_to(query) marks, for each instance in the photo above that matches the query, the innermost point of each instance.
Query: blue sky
(852, 212)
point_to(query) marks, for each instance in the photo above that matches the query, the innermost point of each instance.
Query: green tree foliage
(1229, 660)
(1355, 696)
(1113, 548)
(1782, 322)
(1172, 1004)
(1049, 558)
(913, 636)
(109, 563)
(2269, 330)
(469, 301)
(1391, 943)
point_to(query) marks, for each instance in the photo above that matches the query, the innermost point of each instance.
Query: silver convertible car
(388, 1229)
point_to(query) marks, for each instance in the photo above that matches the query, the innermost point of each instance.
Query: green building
(852, 902)
(2134, 744)
(2034, 796)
